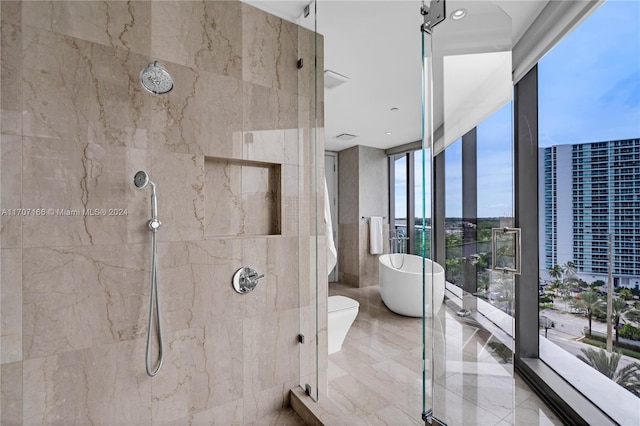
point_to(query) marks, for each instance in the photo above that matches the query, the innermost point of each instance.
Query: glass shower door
(468, 333)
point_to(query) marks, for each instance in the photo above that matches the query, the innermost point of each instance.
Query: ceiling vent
(333, 79)
(345, 136)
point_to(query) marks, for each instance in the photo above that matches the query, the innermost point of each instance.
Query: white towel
(332, 254)
(375, 235)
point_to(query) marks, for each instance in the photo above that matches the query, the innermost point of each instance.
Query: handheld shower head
(141, 180)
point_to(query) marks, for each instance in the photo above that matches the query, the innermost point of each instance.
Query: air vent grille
(345, 136)
(333, 79)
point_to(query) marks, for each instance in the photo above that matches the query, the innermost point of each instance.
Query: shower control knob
(246, 279)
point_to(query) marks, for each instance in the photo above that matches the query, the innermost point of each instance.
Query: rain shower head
(156, 79)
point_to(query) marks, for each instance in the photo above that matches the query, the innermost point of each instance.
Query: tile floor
(378, 375)
(284, 417)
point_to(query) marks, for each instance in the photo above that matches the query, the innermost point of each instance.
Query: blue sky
(589, 90)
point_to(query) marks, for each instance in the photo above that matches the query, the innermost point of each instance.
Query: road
(568, 327)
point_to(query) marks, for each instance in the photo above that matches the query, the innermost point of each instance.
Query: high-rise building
(587, 192)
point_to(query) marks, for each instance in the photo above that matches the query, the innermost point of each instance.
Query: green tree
(619, 306)
(627, 377)
(504, 285)
(596, 284)
(590, 302)
(556, 272)
(625, 293)
(570, 269)
(633, 315)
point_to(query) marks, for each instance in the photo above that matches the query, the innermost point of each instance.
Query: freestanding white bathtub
(401, 284)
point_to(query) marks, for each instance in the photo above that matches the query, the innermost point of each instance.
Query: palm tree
(556, 272)
(618, 307)
(633, 315)
(625, 293)
(627, 377)
(590, 302)
(570, 269)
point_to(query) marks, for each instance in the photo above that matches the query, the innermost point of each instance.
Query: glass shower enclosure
(466, 60)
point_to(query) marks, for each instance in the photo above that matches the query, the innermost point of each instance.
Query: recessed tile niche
(241, 197)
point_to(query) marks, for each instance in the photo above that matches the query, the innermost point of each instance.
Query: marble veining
(75, 127)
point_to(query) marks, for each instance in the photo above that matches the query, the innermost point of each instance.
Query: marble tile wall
(362, 193)
(75, 127)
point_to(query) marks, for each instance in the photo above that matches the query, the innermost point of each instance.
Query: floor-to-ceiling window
(589, 208)
(398, 230)
(453, 213)
(410, 228)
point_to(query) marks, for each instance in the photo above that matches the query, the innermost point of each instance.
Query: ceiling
(378, 46)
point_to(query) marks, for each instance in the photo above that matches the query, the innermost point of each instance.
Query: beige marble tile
(203, 35)
(261, 192)
(178, 294)
(195, 283)
(55, 84)
(226, 414)
(269, 50)
(272, 145)
(182, 387)
(454, 409)
(532, 411)
(11, 196)
(293, 212)
(307, 52)
(495, 394)
(266, 110)
(308, 354)
(67, 178)
(78, 297)
(282, 266)
(117, 24)
(215, 297)
(102, 385)
(54, 167)
(116, 105)
(11, 306)
(242, 198)
(224, 210)
(11, 68)
(82, 91)
(468, 390)
(200, 372)
(261, 403)
(202, 115)
(223, 344)
(357, 398)
(393, 415)
(11, 394)
(180, 182)
(262, 299)
(271, 350)
(285, 417)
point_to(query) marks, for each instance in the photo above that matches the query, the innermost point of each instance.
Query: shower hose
(153, 302)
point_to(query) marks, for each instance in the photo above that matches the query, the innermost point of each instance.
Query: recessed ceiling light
(459, 14)
(388, 133)
(394, 109)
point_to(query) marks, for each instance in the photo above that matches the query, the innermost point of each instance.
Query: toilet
(342, 312)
